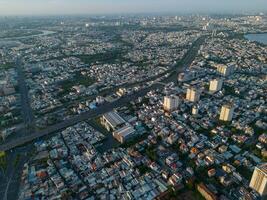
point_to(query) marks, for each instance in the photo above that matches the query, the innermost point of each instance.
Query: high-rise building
(215, 85)
(192, 95)
(206, 192)
(225, 70)
(226, 113)
(195, 110)
(121, 92)
(259, 180)
(170, 103)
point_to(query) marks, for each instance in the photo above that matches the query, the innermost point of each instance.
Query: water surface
(257, 37)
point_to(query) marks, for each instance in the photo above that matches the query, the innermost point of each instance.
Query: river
(257, 37)
(15, 40)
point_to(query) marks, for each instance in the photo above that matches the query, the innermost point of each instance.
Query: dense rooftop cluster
(162, 107)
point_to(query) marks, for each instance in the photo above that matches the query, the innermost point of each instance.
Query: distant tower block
(192, 95)
(226, 113)
(170, 103)
(195, 110)
(215, 85)
(225, 70)
(259, 180)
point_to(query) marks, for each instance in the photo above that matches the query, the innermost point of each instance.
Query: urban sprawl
(165, 107)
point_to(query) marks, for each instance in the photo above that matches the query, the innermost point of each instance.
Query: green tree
(3, 162)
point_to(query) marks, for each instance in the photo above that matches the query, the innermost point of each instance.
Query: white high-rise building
(225, 70)
(215, 85)
(227, 112)
(192, 95)
(258, 181)
(171, 103)
(195, 110)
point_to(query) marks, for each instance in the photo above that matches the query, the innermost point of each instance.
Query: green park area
(107, 57)
(3, 162)
(6, 65)
(78, 79)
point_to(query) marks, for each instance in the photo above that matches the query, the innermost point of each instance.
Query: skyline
(91, 7)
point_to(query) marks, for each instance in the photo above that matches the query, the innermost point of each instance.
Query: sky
(59, 7)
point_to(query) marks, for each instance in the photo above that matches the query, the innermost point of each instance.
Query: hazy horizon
(70, 7)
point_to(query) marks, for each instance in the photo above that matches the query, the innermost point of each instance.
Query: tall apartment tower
(259, 180)
(226, 113)
(215, 85)
(192, 95)
(195, 110)
(170, 103)
(225, 70)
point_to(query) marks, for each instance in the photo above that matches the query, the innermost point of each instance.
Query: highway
(174, 70)
(27, 114)
(69, 122)
(10, 178)
(180, 67)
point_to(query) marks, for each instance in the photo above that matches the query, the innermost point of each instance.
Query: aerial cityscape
(133, 105)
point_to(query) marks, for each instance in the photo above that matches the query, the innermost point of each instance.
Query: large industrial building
(124, 133)
(112, 121)
(121, 130)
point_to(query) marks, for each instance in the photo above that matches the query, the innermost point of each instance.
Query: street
(186, 61)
